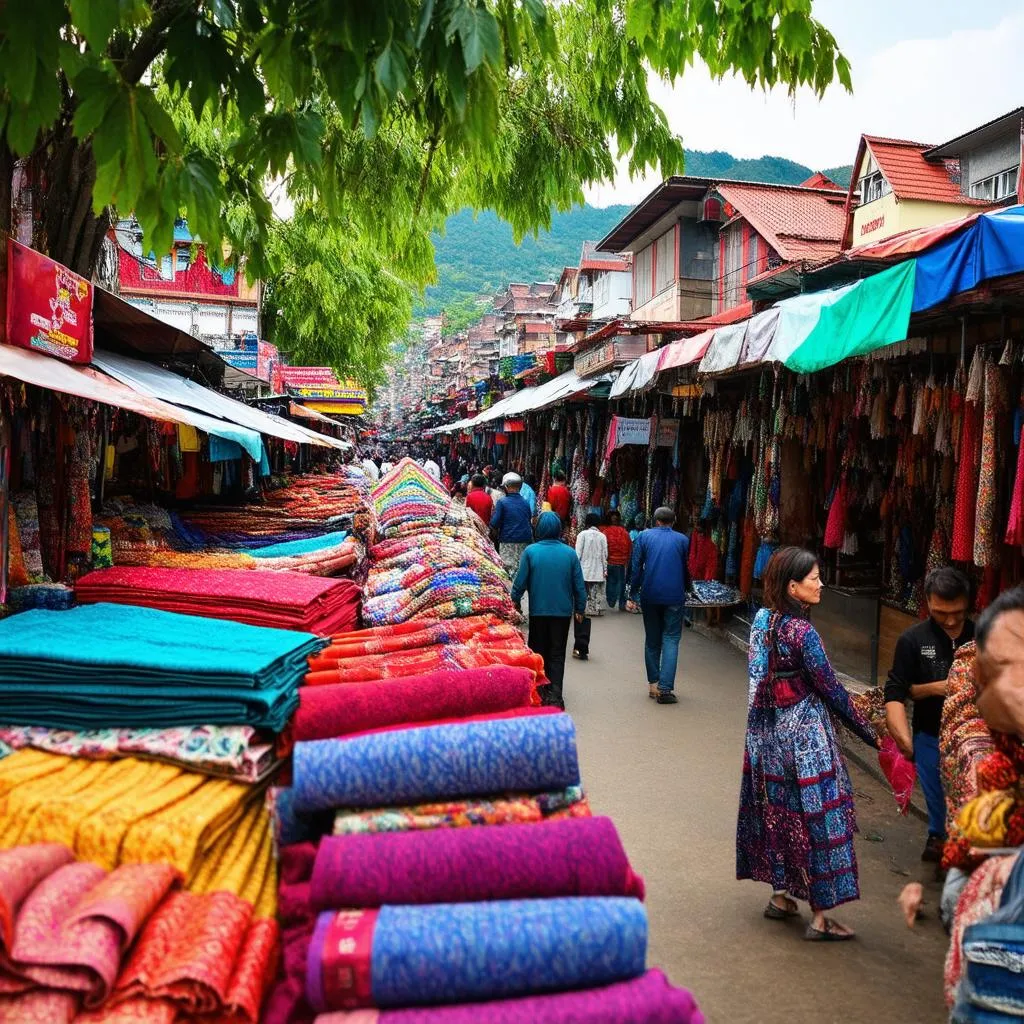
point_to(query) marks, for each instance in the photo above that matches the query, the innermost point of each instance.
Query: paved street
(669, 776)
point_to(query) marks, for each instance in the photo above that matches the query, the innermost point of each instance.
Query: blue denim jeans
(615, 586)
(663, 625)
(926, 760)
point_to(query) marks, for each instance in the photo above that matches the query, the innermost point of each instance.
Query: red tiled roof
(912, 177)
(800, 223)
(819, 180)
(592, 259)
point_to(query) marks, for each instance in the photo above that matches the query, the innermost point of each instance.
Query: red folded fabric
(260, 597)
(341, 709)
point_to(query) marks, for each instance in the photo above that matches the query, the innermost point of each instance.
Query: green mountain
(477, 255)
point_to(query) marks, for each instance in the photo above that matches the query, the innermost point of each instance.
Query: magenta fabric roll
(340, 709)
(649, 999)
(569, 857)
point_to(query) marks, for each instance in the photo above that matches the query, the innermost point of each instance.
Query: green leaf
(843, 73)
(104, 190)
(223, 13)
(158, 119)
(95, 92)
(97, 20)
(391, 71)
(22, 128)
(478, 34)
(426, 15)
(19, 64)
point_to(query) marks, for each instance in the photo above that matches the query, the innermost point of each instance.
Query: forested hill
(477, 255)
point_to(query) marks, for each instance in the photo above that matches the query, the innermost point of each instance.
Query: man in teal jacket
(550, 573)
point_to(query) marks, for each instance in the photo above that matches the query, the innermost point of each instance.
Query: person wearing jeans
(920, 668)
(658, 581)
(619, 549)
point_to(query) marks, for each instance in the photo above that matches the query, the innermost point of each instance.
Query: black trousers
(549, 635)
(581, 636)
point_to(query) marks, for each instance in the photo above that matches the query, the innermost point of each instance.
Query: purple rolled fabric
(568, 857)
(649, 999)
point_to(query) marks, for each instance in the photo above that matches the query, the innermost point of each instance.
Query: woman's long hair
(786, 565)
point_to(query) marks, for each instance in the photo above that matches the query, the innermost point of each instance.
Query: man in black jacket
(920, 667)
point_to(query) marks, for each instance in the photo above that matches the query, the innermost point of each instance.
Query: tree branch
(154, 38)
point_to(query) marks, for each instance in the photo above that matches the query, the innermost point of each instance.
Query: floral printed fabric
(510, 810)
(986, 538)
(236, 751)
(796, 819)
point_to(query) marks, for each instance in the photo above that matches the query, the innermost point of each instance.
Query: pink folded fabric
(341, 709)
(649, 999)
(72, 921)
(572, 857)
(900, 773)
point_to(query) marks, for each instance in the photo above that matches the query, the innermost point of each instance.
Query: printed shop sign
(49, 308)
(622, 431)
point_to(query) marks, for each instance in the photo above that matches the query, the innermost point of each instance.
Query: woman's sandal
(829, 934)
(776, 913)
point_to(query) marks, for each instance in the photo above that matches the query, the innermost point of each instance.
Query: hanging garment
(1015, 522)
(985, 539)
(962, 548)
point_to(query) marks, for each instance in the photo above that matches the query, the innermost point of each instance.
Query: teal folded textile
(117, 666)
(405, 766)
(300, 547)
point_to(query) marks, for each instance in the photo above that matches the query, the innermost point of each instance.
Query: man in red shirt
(620, 547)
(559, 498)
(478, 499)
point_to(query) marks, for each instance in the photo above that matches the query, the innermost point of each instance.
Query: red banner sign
(49, 308)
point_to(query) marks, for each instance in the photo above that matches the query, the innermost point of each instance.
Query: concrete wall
(613, 294)
(987, 160)
(885, 217)
(682, 300)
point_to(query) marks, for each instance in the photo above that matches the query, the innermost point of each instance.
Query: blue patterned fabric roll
(518, 755)
(461, 952)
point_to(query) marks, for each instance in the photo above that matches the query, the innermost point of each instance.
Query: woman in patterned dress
(796, 819)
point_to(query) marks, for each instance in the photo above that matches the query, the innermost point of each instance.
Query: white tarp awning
(171, 387)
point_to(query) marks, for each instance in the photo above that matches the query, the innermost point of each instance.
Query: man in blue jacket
(658, 581)
(550, 573)
(512, 524)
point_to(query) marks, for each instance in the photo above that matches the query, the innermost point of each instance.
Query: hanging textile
(985, 538)
(962, 548)
(1015, 523)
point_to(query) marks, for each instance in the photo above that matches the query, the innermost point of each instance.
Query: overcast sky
(925, 70)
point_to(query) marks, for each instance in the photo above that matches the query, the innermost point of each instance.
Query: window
(998, 186)
(643, 285)
(665, 262)
(182, 259)
(873, 186)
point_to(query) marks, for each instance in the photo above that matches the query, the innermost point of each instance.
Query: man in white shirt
(432, 468)
(370, 470)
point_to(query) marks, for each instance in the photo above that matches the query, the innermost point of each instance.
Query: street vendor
(920, 668)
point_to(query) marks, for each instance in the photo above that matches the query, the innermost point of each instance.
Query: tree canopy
(375, 120)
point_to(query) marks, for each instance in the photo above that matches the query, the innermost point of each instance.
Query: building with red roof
(898, 185)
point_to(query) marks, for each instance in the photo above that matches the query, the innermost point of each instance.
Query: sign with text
(668, 430)
(49, 308)
(632, 431)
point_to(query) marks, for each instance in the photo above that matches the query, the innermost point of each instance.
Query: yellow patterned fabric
(215, 832)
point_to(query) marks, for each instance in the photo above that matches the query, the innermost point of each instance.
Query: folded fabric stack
(280, 538)
(423, 647)
(236, 752)
(285, 600)
(81, 945)
(432, 563)
(104, 664)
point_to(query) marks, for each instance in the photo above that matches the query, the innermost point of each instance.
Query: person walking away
(638, 526)
(432, 468)
(592, 551)
(559, 498)
(478, 500)
(658, 583)
(796, 817)
(550, 573)
(620, 547)
(920, 668)
(511, 525)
